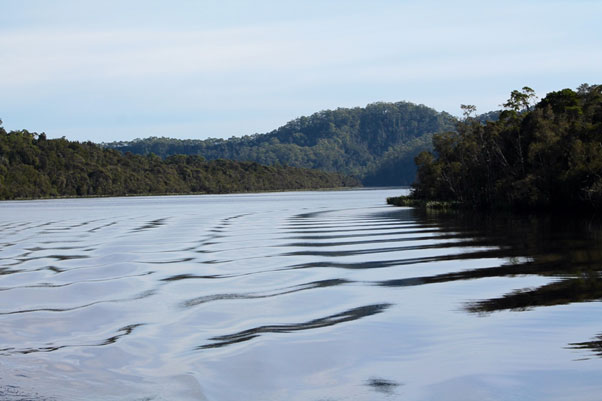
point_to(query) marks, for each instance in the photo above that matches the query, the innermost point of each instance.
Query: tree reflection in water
(566, 249)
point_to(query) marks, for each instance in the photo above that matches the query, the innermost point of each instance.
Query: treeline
(542, 156)
(376, 143)
(32, 166)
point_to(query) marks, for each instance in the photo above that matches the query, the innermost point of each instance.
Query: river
(309, 296)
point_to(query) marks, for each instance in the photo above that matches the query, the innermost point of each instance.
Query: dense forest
(376, 143)
(32, 166)
(535, 156)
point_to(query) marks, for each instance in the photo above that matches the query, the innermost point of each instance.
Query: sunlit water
(294, 296)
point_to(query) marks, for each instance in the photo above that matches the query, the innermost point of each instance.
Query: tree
(546, 156)
(521, 100)
(467, 110)
(351, 141)
(32, 166)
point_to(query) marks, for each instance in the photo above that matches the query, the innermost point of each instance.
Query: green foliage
(549, 156)
(376, 143)
(520, 100)
(430, 205)
(407, 201)
(32, 166)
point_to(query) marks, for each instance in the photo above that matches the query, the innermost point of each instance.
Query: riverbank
(33, 167)
(409, 201)
(150, 194)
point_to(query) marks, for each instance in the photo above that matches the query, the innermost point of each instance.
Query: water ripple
(347, 316)
(290, 296)
(122, 332)
(289, 290)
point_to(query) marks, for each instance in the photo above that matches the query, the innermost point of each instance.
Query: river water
(309, 296)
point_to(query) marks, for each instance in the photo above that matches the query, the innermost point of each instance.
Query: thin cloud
(433, 52)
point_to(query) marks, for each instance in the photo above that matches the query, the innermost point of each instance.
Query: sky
(115, 70)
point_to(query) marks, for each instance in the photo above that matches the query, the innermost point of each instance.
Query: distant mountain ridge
(376, 143)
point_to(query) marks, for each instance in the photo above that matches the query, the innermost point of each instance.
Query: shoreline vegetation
(532, 156)
(410, 201)
(544, 156)
(131, 195)
(34, 167)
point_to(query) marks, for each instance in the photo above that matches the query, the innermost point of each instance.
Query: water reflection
(289, 290)
(586, 287)
(122, 332)
(566, 250)
(150, 225)
(292, 296)
(381, 385)
(594, 346)
(347, 316)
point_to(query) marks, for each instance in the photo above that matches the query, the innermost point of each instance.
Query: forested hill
(376, 143)
(32, 166)
(542, 156)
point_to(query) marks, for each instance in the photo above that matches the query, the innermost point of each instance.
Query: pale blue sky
(118, 70)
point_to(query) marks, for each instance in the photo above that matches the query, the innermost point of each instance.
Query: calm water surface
(294, 296)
